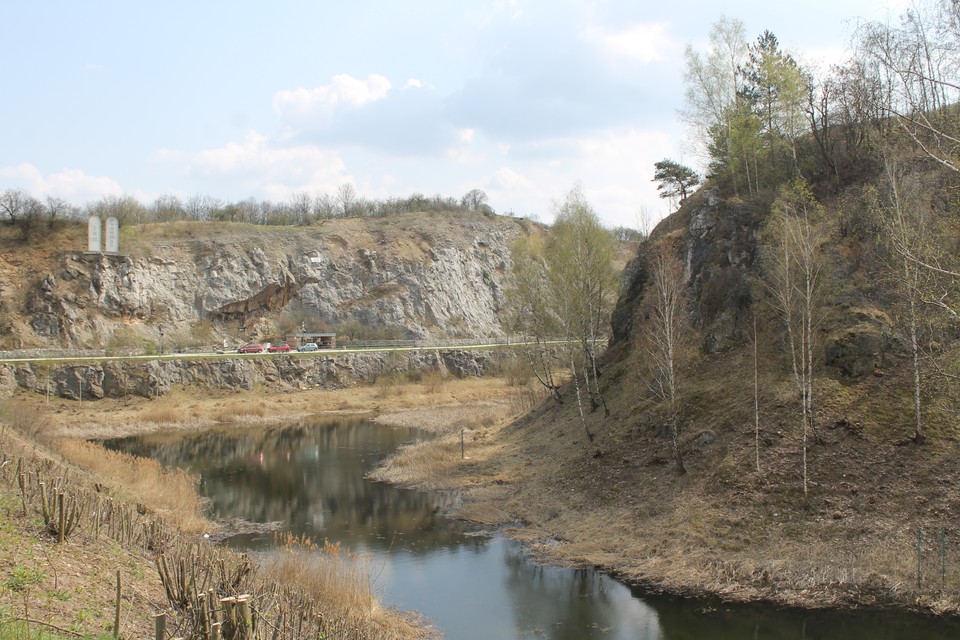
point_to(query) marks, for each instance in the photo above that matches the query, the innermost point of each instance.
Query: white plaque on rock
(94, 230)
(113, 235)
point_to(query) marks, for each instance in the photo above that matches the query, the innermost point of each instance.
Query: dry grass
(165, 415)
(440, 463)
(170, 492)
(27, 419)
(243, 410)
(434, 381)
(338, 581)
(427, 465)
(110, 417)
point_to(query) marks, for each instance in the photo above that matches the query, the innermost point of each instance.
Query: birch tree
(795, 284)
(669, 333)
(583, 282)
(918, 61)
(531, 314)
(906, 232)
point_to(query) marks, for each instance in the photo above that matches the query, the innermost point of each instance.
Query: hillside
(406, 276)
(725, 526)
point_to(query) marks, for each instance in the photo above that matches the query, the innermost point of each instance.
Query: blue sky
(520, 98)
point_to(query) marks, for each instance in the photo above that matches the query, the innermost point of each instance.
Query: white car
(308, 346)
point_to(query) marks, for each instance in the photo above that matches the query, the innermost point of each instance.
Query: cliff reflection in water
(310, 478)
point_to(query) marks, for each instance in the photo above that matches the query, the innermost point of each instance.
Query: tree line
(761, 118)
(29, 214)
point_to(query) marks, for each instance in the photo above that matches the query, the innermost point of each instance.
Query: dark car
(250, 347)
(283, 347)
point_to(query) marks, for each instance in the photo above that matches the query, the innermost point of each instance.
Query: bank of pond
(308, 479)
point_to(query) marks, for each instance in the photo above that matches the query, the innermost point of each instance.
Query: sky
(524, 99)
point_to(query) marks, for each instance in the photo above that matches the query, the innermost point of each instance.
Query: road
(396, 346)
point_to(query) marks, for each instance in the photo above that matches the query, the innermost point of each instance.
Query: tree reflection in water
(310, 478)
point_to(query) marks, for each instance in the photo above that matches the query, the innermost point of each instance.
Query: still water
(309, 478)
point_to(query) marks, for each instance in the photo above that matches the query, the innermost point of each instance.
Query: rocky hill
(407, 276)
(816, 509)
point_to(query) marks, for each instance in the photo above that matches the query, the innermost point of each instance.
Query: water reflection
(310, 477)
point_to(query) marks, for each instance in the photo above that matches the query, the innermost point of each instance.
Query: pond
(309, 478)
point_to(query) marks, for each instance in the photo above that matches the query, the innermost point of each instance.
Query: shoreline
(487, 481)
(488, 498)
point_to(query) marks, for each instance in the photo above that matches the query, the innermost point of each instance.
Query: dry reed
(239, 411)
(172, 493)
(164, 415)
(338, 582)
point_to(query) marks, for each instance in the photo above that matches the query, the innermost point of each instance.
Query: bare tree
(347, 199)
(21, 210)
(301, 208)
(669, 334)
(795, 283)
(918, 62)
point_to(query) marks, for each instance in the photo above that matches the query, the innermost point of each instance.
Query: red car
(283, 347)
(250, 347)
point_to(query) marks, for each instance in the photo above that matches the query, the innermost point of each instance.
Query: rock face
(418, 276)
(719, 250)
(719, 241)
(117, 379)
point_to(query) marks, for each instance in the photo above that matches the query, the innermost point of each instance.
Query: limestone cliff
(412, 275)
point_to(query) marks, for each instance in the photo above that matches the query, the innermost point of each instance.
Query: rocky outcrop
(420, 276)
(719, 249)
(152, 378)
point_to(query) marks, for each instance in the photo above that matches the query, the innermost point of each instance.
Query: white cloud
(644, 43)
(264, 166)
(344, 91)
(507, 179)
(72, 185)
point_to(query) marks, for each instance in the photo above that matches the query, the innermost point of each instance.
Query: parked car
(283, 347)
(250, 347)
(308, 346)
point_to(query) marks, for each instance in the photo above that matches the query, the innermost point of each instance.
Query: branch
(913, 136)
(51, 626)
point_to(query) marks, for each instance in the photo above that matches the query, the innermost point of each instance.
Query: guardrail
(83, 354)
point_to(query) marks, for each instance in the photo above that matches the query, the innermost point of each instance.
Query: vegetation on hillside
(789, 434)
(29, 214)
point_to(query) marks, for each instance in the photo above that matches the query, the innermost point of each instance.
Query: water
(308, 478)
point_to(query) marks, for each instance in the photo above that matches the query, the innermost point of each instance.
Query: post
(116, 615)
(919, 547)
(943, 558)
(48, 385)
(160, 626)
(62, 519)
(461, 444)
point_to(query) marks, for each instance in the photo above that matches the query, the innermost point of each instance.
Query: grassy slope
(71, 586)
(723, 527)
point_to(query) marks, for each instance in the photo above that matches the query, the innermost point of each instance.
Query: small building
(323, 340)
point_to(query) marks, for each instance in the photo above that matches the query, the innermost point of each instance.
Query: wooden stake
(116, 617)
(62, 532)
(160, 626)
